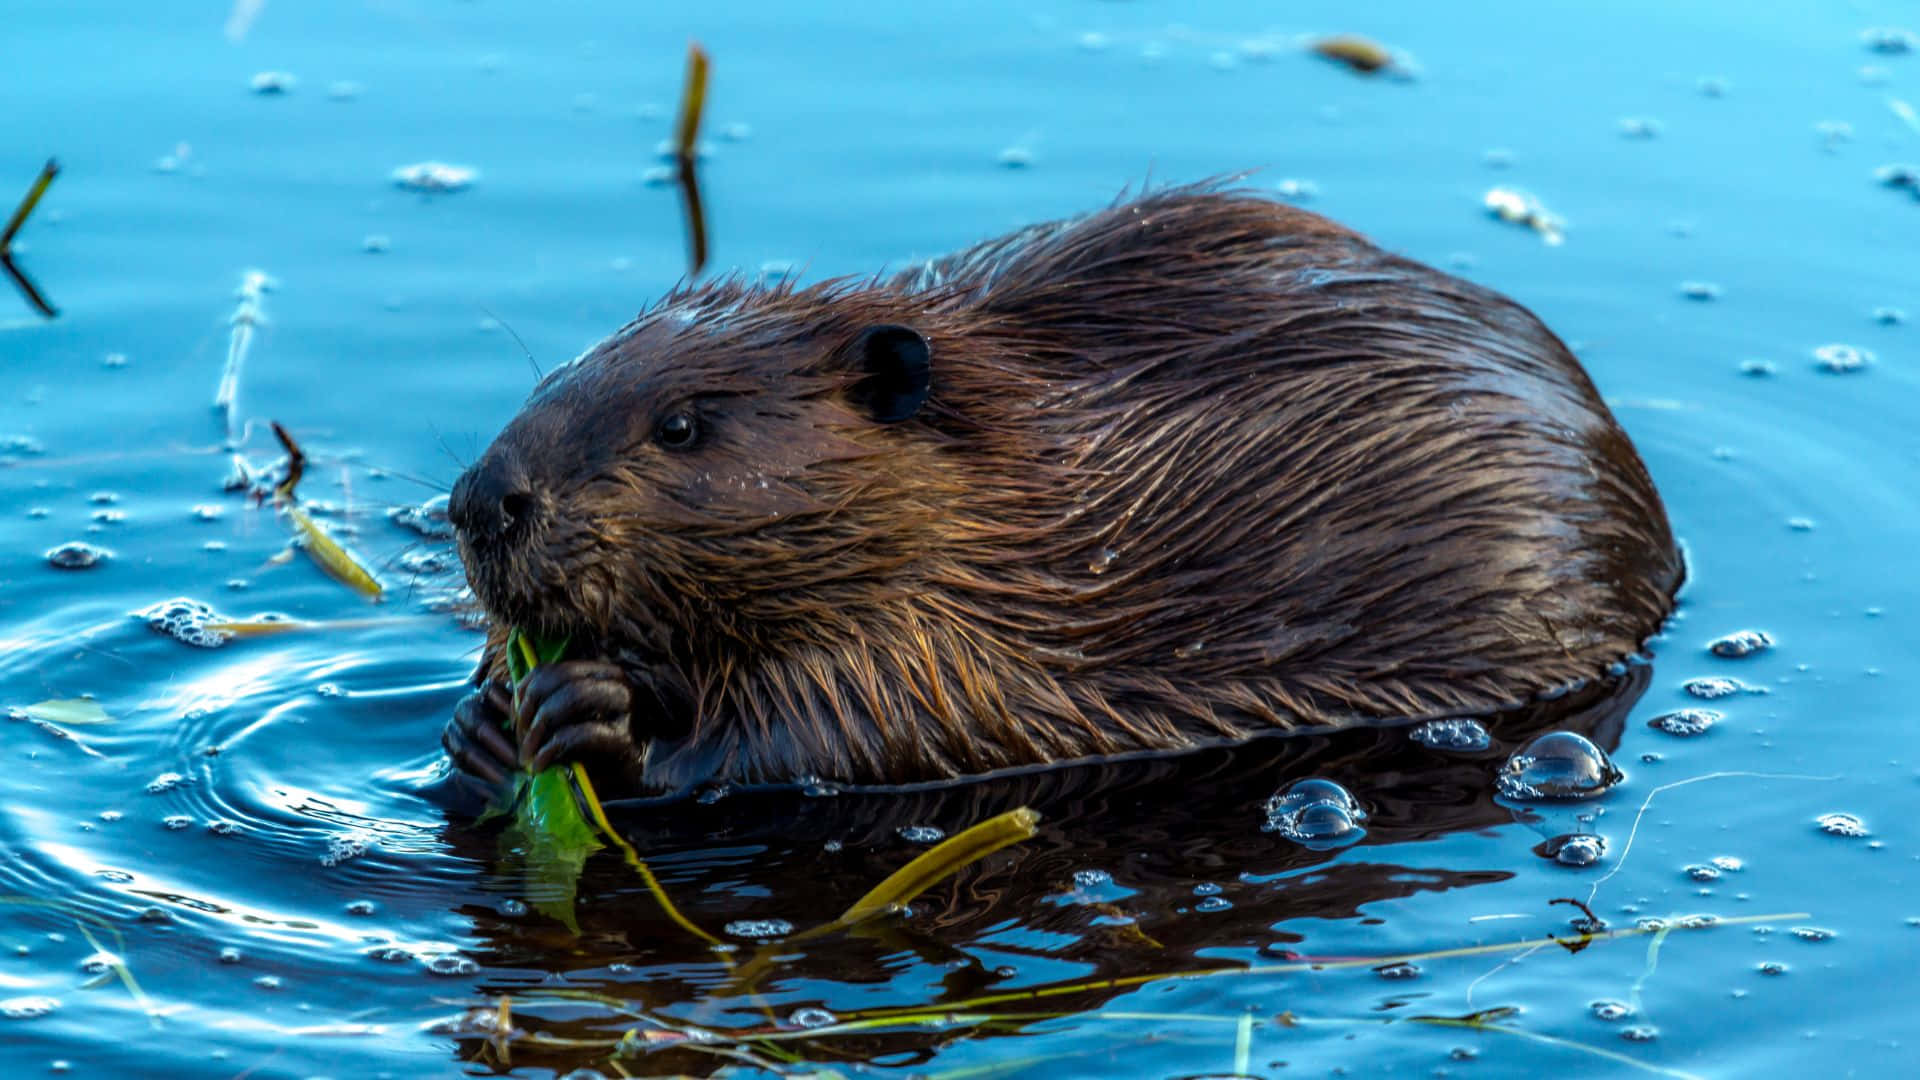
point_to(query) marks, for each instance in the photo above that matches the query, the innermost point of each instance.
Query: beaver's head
(734, 463)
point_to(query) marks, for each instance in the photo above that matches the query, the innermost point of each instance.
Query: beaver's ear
(896, 366)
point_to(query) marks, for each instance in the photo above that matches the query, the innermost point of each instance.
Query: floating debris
(1364, 55)
(1517, 207)
(67, 711)
(32, 199)
(435, 177)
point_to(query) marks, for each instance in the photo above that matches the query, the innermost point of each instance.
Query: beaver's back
(1298, 479)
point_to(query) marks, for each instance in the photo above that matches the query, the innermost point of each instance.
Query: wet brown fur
(1194, 467)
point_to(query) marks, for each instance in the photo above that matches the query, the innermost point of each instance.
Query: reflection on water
(233, 862)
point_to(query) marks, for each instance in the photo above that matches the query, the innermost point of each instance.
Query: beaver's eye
(677, 432)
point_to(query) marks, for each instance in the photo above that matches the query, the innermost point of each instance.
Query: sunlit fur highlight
(1195, 467)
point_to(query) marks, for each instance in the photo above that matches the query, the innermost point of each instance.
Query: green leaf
(68, 711)
(550, 834)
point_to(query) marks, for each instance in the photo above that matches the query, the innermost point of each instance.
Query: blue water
(360, 917)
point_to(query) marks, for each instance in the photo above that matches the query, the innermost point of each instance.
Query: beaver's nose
(492, 497)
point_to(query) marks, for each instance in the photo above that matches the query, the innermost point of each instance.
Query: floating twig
(324, 549)
(693, 103)
(20, 280)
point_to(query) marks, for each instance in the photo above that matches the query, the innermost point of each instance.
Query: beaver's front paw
(475, 738)
(577, 710)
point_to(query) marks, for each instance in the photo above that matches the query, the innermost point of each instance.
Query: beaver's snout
(493, 500)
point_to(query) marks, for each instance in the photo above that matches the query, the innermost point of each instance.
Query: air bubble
(76, 555)
(1841, 359)
(1685, 722)
(1611, 1010)
(1213, 903)
(1837, 824)
(812, 1017)
(759, 929)
(1087, 879)
(1316, 814)
(1460, 735)
(452, 964)
(1573, 849)
(1741, 644)
(429, 519)
(166, 782)
(921, 834)
(1557, 765)
(27, 1008)
(1712, 687)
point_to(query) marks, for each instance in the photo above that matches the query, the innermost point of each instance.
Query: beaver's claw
(475, 738)
(578, 710)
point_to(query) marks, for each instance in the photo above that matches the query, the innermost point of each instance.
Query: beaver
(1189, 469)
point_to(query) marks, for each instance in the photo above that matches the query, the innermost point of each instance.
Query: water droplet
(921, 834)
(1846, 825)
(1573, 849)
(1190, 650)
(452, 964)
(1685, 722)
(1557, 765)
(1741, 644)
(1296, 190)
(1459, 735)
(1840, 359)
(759, 929)
(1316, 814)
(76, 555)
(434, 177)
(812, 1017)
(163, 783)
(99, 963)
(1102, 561)
(429, 519)
(1712, 687)
(1890, 40)
(1611, 1010)
(27, 1008)
(272, 83)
